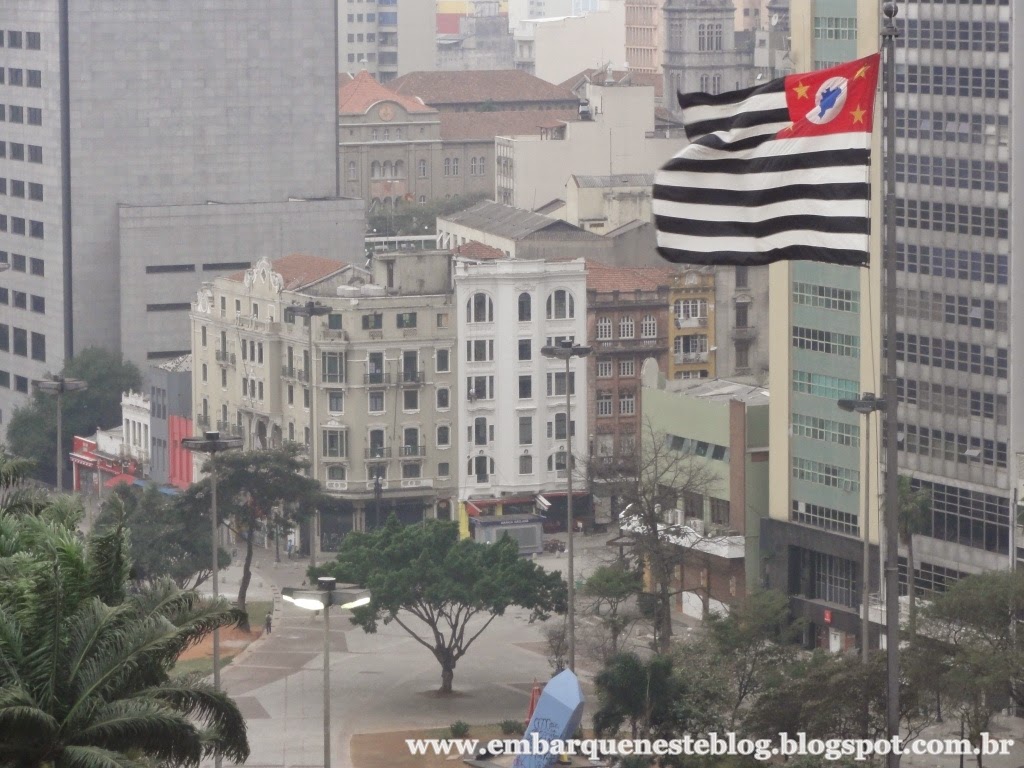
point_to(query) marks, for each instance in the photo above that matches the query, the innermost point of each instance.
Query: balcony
(289, 372)
(412, 450)
(690, 358)
(202, 420)
(379, 378)
(378, 453)
(683, 323)
(229, 429)
(332, 334)
(412, 377)
(418, 482)
(744, 334)
(370, 485)
(336, 485)
(224, 357)
(254, 324)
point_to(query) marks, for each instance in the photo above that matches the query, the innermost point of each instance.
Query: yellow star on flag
(801, 90)
(858, 114)
(861, 72)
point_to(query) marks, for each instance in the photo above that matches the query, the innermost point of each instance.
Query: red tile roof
(500, 86)
(604, 278)
(484, 126)
(358, 94)
(477, 250)
(299, 270)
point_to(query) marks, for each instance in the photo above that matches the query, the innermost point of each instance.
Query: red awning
(118, 479)
(82, 460)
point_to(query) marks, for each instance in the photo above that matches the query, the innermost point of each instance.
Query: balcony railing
(336, 485)
(224, 357)
(333, 334)
(290, 372)
(418, 482)
(691, 322)
(412, 450)
(412, 376)
(253, 324)
(370, 485)
(686, 358)
(744, 334)
(202, 420)
(378, 377)
(380, 453)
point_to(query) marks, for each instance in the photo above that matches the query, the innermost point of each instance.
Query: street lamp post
(566, 350)
(376, 501)
(327, 594)
(57, 386)
(865, 405)
(309, 310)
(212, 443)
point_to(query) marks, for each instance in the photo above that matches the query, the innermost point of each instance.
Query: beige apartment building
(373, 382)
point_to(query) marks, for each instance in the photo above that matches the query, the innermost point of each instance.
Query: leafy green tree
(915, 511)
(170, 538)
(418, 218)
(425, 572)
(85, 667)
(32, 431)
(249, 485)
(754, 643)
(607, 594)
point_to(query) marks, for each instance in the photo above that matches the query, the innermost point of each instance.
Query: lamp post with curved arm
(58, 386)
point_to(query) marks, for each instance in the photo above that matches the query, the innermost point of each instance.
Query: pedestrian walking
(268, 624)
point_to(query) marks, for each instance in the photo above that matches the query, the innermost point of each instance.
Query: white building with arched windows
(511, 399)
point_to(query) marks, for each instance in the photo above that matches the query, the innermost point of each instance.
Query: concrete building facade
(388, 37)
(693, 337)
(478, 39)
(645, 35)
(511, 399)
(170, 392)
(554, 48)
(377, 387)
(702, 51)
(189, 110)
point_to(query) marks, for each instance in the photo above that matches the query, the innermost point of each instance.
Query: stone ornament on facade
(204, 301)
(266, 274)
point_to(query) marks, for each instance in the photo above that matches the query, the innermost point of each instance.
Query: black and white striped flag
(776, 172)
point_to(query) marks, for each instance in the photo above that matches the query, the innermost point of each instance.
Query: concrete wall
(188, 102)
(203, 237)
(565, 47)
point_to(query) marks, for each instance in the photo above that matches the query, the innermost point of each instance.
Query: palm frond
(144, 725)
(22, 721)
(96, 757)
(213, 708)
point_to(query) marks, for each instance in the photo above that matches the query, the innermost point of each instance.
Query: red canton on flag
(777, 172)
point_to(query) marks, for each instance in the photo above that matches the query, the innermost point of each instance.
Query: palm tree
(915, 510)
(85, 668)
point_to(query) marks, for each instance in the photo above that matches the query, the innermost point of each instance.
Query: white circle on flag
(828, 101)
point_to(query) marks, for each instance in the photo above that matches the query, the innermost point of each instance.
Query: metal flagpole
(892, 596)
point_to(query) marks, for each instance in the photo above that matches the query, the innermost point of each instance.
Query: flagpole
(891, 505)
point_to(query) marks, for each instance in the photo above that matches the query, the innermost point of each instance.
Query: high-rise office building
(147, 146)
(958, 426)
(387, 38)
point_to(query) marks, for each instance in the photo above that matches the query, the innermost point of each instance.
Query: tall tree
(169, 537)
(754, 643)
(915, 510)
(607, 595)
(249, 485)
(32, 431)
(658, 482)
(85, 667)
(454, 588)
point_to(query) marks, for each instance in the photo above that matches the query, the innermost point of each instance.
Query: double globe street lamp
(328, 593)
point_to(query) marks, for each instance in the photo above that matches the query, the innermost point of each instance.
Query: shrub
(459, 729)
(512, 727)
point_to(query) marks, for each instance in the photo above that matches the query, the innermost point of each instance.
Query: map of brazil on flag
(777, 172)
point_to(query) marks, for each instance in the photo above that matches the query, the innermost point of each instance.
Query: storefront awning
(117, 480)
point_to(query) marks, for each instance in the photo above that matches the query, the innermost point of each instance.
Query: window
(406, 320)
(443, 469)
(39, 347)
(35, 78)
(411, 399)
(478, 433)
(422, 169)
(224, 378)
(480, 467)
(32, 41)
(21, 342)
(604, 328)
(373, 321)
(335, 401)
(20, 299)
(38, 304)
(442, 317)
(36, 267)
(605, 406)
(525, 307)
(479, 350)
(627, 404)
(627, 328)
(444, 436)
(18, 262)
(442, 361)
(741, 315)
(333, 367)
(335, 442)
(556, 384)
(742, 277)
(376, 401)
(742, 354)
(35, 116)
(455, 166)
(526, 465)
(525, 349)
(480, 387)
(526, 430)
(353, 172)
(35, 154)
(480, 309)
(525, 387)
(561, 305)
(648, 327)
(604, 369)
(16, 76)
(627, 368)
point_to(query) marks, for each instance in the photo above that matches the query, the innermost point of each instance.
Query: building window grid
(834, 579)
(826, 297)
(827, 342)
(989, 268)
(929, 579)
(827, 430)
(825, 518)
(826, 474)
(835, 28)
(971, 518)
(822, 385)
(951, 446)
(952, 355)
